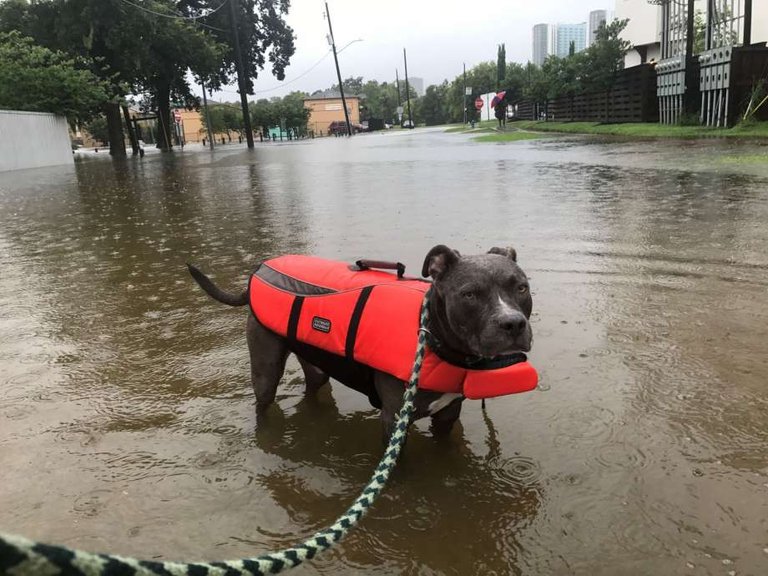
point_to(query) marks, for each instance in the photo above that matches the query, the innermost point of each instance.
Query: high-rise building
(417, 84)
(549, 39)
(596, 18)
(542, 43)
(567, 34)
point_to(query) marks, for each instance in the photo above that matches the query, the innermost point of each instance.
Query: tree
(296, 115)
(150, 49)
(352, 86)
(261, 28)
(433, 105)
(604, 58)
(37, 79)
(97, 128)
(501, 66)
(131, 49)
(287, 112)
(514, 82)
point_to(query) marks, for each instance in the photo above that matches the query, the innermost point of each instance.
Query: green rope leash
(21, 557)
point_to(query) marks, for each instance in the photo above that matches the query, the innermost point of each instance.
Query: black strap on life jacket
(354, 322)
(293, 318)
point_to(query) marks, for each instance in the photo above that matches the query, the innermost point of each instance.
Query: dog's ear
(509, 252)
(438, 261)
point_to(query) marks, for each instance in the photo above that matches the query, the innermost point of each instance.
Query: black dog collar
(472, 362)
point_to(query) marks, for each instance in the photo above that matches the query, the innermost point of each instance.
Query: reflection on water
(127, 414)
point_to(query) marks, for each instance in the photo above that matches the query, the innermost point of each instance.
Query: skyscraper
(565, 34)
(417, 84)
(556, 39)
(542, 45)
(596, 18)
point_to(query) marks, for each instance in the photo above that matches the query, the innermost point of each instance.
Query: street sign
(479, 103)
(177, 116)
(468, 91)
(399, 110)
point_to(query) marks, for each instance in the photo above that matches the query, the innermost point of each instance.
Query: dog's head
(484, 300)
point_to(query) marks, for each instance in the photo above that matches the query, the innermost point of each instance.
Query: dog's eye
(523, 288)
(468, 294)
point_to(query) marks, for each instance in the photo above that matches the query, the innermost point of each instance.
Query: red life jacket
(368, 317)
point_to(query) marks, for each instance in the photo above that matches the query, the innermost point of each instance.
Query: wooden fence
(633, 99)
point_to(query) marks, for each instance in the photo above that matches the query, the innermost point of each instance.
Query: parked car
(408, 124)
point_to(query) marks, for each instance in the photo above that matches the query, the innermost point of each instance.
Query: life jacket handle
(365, 264)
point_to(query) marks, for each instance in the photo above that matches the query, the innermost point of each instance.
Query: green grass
(482, 125)
(747, 159)
(646, 130)
(513, 136)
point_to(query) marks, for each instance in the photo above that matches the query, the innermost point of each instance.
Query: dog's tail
(215, 292)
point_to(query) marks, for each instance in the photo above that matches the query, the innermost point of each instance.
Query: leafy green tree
(514, 82)
(287, 112)
(536, 86)
(38, 79)
(261, 114)
(501, 67)
(352, 86)
(604, 59)
(433, 104)
(295, 114)
(151, 48)
(97, 128)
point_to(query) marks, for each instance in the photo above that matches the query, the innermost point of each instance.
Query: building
(549, 39)
(643, 30)
(326, 108)
(541, 43)
(566, 34)
(417, 84)
(596, 19)
(191, 125)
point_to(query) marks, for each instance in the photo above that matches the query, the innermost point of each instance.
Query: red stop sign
(479, 103)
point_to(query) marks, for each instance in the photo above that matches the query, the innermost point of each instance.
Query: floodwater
(128, 421)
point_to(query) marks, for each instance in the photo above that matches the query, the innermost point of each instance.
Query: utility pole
(464, 95)
(747, 23)
(407, 90)
(338, 72)
(240, 74)
(207, 115)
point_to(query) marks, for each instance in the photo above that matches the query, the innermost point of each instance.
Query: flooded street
(128, 420)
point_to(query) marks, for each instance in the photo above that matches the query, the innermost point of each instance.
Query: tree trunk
(115, 129)
(164, 125)
(607, 97)
(131, 134)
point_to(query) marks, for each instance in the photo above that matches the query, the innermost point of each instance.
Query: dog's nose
(513, 324)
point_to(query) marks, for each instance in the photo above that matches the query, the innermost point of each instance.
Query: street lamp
(348, 44)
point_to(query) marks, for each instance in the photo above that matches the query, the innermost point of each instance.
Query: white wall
(32, 140)
(644, 20)
(759, 21)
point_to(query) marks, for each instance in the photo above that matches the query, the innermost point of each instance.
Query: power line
(176, 16)
(299, 77)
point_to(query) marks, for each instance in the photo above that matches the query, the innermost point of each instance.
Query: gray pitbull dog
(479, 310)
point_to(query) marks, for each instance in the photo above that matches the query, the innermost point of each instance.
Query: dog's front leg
(444, 419)
(390, 390)
(268, 355)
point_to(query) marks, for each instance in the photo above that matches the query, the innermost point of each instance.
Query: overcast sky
(439, 35)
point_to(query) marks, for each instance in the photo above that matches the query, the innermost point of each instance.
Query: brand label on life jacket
(321, 324)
